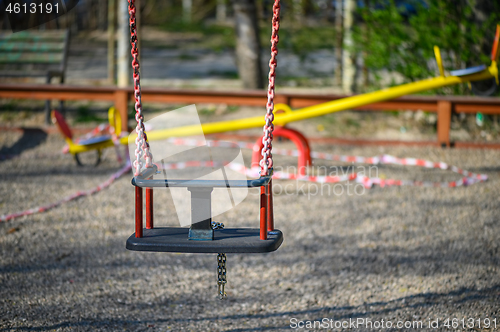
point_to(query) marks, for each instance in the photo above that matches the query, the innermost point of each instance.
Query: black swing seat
(231, 240)
(200, 238)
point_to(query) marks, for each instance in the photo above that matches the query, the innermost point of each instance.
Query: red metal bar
(138, 212)
(307, 147)
(149, 208)
(304, 158)
(270, 212)
(263, 213)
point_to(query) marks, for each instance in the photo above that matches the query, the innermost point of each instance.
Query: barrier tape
(125, 169)
(468, 179)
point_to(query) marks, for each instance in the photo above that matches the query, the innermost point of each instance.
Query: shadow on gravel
(73, 170)
(335, 256)
(32, 137)
(342, 313)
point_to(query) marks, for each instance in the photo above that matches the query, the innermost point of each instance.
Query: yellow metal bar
(78, 148)
(325, 108)
(439, 60)
(385, 94)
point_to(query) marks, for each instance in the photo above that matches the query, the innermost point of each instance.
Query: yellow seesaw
(477, 73)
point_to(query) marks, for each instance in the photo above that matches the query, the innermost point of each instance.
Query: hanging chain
(217, 225)
(267, 157)
(221, 275)
(141, 142)
(221, 266)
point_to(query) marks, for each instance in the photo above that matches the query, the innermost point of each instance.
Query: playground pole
(123, 44)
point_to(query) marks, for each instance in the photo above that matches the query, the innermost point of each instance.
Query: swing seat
(200, 237)
(231, 240)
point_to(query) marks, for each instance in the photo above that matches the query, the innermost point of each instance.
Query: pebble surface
(397, 254)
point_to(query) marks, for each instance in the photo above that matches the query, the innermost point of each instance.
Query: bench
(35, 54)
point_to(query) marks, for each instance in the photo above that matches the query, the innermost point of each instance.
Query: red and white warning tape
(125, 169)
(467, 179)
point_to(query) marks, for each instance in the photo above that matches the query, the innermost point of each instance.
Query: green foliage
(300, 39)
(391, 41)
(212, 36)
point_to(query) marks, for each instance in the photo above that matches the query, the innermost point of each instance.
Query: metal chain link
(217, 225)
(221, 273)
(221, 266)
(141, 142)
(267, 157)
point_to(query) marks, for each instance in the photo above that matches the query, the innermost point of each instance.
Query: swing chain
(217, 225)
(221, 266)
(267, 159)
(141, 142)
(221, 272)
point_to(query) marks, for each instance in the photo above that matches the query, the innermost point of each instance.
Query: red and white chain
(141, 142)
(267, 157)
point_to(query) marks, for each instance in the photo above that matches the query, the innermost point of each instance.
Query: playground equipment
(203, 236)
(462, 76)
(285, 115)
(101, 137)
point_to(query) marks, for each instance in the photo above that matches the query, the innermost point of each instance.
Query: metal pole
(111, 40)
(123, 44)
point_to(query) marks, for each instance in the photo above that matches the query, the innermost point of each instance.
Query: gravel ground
(397, 254)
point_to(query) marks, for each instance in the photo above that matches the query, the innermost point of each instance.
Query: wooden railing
(444, 106)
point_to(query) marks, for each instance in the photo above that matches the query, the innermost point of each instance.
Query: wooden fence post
(443, 123)
(121, 104)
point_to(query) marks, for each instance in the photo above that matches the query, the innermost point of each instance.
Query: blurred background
(326, 46)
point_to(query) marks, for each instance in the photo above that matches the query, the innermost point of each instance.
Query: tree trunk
(111, 40)
(482, 10)
(103, 14)
(339, 31)
(221, 11)
(248, 45)
(366, 32)
(187, 7)
(297, 10)
(348, 65)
